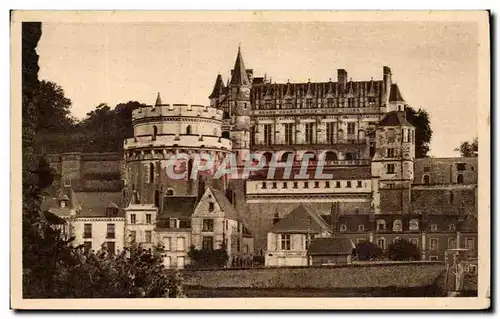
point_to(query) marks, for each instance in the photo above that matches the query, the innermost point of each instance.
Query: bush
(366, 250)
(201, 258)
(403, 249)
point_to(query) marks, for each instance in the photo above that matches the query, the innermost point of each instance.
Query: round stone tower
(161, 134)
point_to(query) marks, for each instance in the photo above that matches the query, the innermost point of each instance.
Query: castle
(375, 189)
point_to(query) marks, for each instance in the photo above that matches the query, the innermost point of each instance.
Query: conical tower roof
(395, 95)
(158, 100)
(218, 87)
(239, 76)
(288, 92)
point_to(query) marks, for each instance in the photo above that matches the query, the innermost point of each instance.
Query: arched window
(397, 225)
(151, 173)
(188, 130)
(361, 227)
(381, 243)
(381, 224)
(225, 134)
(286, 156)
(460, 179)
(170, 192)
(155, 132)
(331, 156)
(427, 179)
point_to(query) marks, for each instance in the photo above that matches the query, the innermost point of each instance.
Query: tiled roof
(225, 204)
(331, 246)
(178, 207)
(300, 220)
(394, 118)
(98, 211)
(395, 95)
(239, 75)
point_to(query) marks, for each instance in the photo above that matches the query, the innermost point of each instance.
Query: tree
(403, 249)
(54, 114)
(468, 149)
(203, 258)
(423, 132)
(366, 250)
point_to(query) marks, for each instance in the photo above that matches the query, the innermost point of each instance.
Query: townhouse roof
(181, 207)
(225, 204)
(331, 246)
(394, 118)
(300, 220)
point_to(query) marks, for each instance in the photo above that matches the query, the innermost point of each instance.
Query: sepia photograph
(283, 160)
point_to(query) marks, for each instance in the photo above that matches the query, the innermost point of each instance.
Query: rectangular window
(390, 152)
(289, 133)
(208, 225)
(350, 102)
(427, 169)
(359, 184)
(285, 185)
(166, 243)
(381, 243)
(469, 243)
(181, 244)
(111, 247)
(371, 101)
(309, 133)
(132, 218)
(390, 168)
(267, 134)
(180, 262)
(110, 231)
(452, 243)
(87, 231)
(207, 243)
(275, 185)
(351, 128)
(330, 103)
(348, 184)
(306, 184)
(285, 242)
(414, 241)
(264, 185)
(133, 235)
(173, 222)
(327, 184)
(337, 184)
(295, 185)
(316, 184)
(148, 236)
(461, 167)
(309, 103)
(433, 244)
(211, 207)
(330, 132)
(148, 218)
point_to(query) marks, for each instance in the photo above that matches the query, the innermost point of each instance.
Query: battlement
(172, 140)
(177, 110)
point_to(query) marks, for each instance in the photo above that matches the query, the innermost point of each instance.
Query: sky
(435, 64)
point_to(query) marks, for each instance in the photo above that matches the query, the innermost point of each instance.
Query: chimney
(387, 83)
(342, 78)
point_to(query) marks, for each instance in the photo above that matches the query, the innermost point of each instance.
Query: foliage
(202, 258)
(403, 249)
(366, 250)
(468, 149)
(423, 132)
(53, 106)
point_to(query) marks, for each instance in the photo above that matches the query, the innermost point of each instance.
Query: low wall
(356, 276)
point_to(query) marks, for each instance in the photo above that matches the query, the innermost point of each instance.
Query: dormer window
(343, 228)
(62, 203)
(434, 227)
(361, 227)
(381, 225)
(452, 227)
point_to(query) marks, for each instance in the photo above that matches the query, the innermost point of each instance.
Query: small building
(215, 224)
(289, 238)
(141, 222)
(173, 230)
(330, 251)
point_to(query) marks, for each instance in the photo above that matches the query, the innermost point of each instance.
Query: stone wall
(356, 276)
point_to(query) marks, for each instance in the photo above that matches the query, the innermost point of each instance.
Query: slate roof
(239, 75)
(352, 222)
(218, 87)
(394, 118)
(469, 224)
(225, 204)
(158, 100)
(395, 95)
(331, 246)
(178, 207)
(97, 211)
(52, 204)
(301, 220)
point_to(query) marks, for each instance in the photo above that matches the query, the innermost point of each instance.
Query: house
(173, 230)
(62, 210)
(215, 224)
(140, 225)
(289, 238)
(330, 250)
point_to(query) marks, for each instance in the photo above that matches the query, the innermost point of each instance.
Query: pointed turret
(350, 88)
(371, 88)
(288, 92)
(158, 100)
(309, 89)
(218, 87)
(395, 95)
(239, 76)
(330, 91)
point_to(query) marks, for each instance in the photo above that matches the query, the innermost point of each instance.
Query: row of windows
(148, 236)
(317, 184)
(110, 231)
(426, 179)
(310, 131)
(433, 243)
(327, 156)
(397, 226)
(110, 246)
(268, 104)
(133, 219)
(187, 131)
(180, 243)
